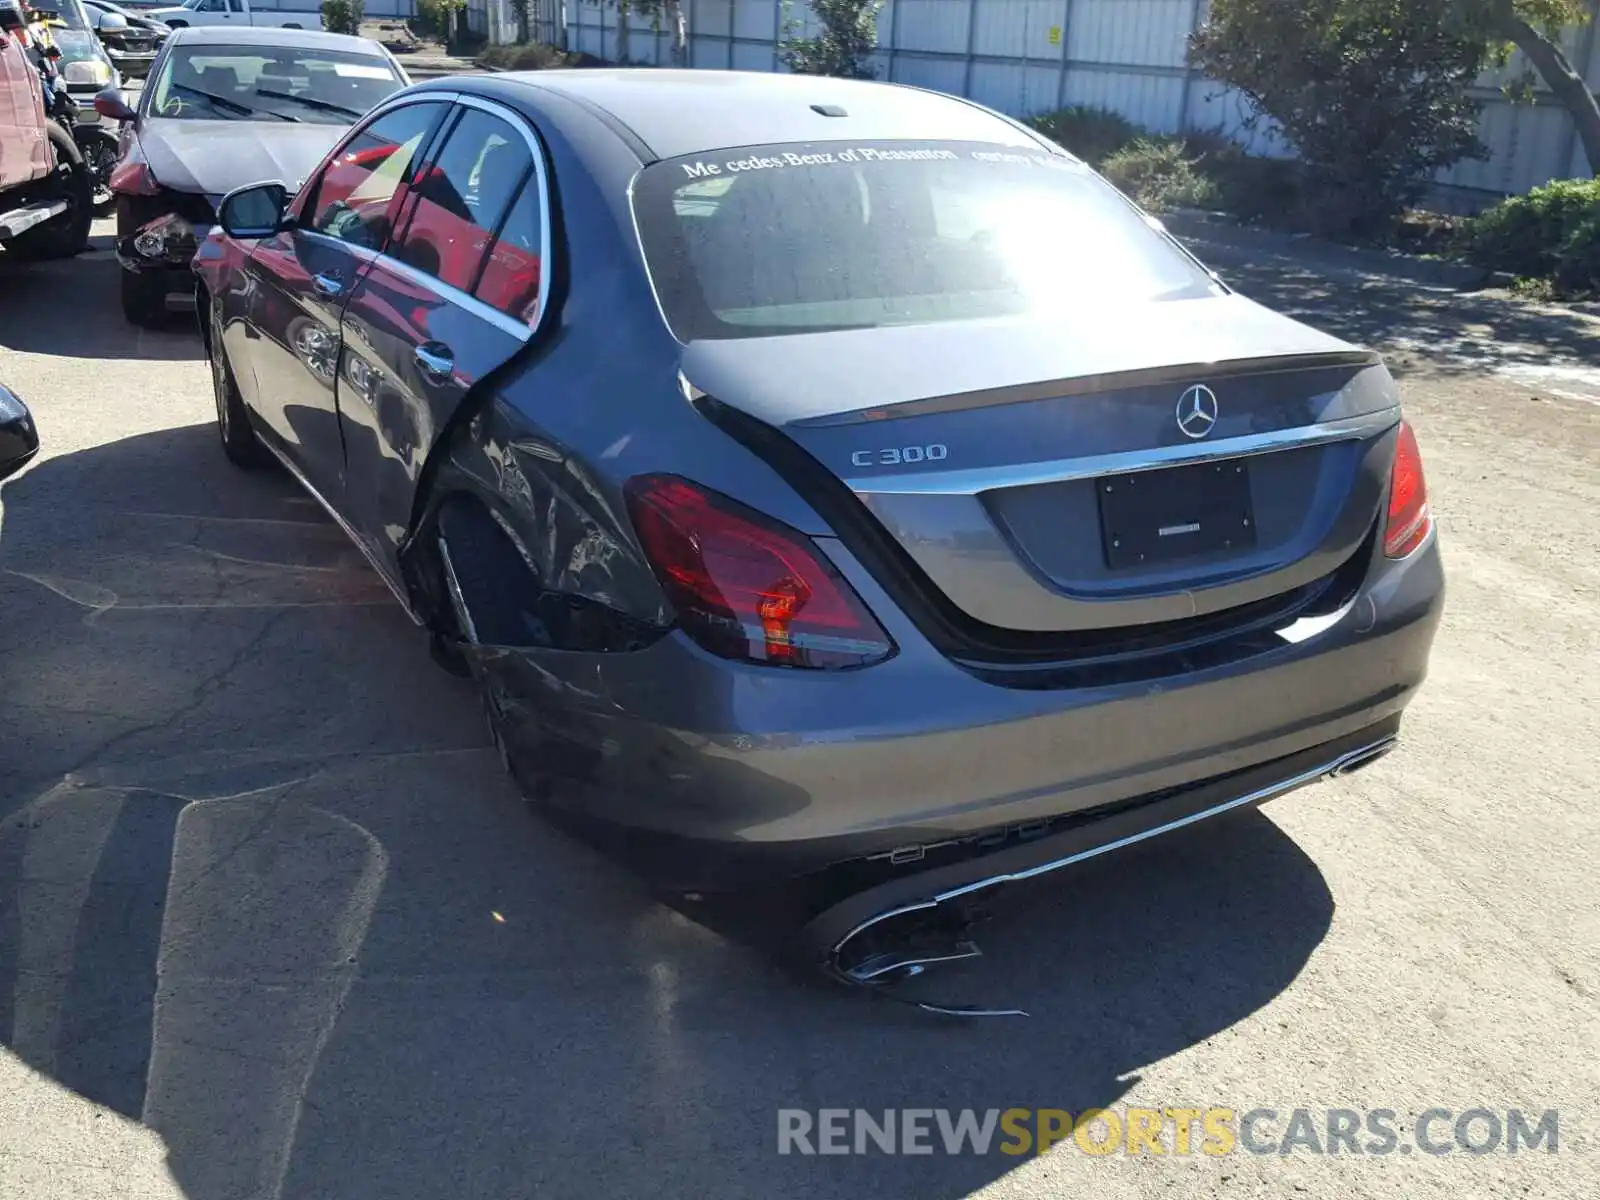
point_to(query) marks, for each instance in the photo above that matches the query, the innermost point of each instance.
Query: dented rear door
(455, 295)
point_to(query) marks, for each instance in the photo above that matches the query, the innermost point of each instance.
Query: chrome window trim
(975, 480)
(398, 100)
(362, 254)
(644, 261)
(454, 295)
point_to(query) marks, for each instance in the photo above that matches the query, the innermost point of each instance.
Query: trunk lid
(1040, 480)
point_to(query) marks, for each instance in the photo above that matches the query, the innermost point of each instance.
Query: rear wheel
(233, 419)
(67, 233)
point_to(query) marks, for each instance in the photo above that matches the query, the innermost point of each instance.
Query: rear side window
(459, 198)
(354, 196)
(512, 272)
(795, 238)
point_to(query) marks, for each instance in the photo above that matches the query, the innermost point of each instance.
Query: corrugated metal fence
(375, 9)
(1029, 56)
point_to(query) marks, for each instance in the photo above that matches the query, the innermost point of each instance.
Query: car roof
(677, 112)
(252, 35)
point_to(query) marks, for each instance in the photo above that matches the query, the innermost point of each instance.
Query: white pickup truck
(232, 12)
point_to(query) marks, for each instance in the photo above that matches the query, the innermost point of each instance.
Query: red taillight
(133, 179)
(746, 587)
(1409, 518)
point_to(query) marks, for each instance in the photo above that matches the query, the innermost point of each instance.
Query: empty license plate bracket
(1154, 517)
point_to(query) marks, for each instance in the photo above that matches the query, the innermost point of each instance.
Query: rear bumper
(135, 64)
(706, 773)
(870, 908)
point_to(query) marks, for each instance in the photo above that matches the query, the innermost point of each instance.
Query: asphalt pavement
(272, 924)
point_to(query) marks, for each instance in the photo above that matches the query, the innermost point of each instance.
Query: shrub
(533, 56)
(1578, 265)
(342, 16)
(1524, 234)
(1093, 134)
(1552, 233)
(1159, 175)
(1268, 191)
(1373, 94)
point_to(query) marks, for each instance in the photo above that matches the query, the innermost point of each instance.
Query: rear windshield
(799, 238)
(206, 82)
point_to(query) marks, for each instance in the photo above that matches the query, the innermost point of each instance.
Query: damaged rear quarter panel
(551, 440)
(572, 533)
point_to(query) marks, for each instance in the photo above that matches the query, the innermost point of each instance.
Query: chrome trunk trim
(974, 481)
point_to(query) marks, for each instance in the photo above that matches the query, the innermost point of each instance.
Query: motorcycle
(100, 150)
(95, 142)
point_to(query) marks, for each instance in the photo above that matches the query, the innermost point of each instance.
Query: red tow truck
(46, 190)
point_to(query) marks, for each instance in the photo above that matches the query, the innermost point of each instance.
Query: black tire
(144, 298)
(478, 563)
(67, 233)
(238, 437)
(447, 655)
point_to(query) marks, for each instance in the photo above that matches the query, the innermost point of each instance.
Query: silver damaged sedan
(827, 481)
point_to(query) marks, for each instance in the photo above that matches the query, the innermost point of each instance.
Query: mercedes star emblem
(1197, 411)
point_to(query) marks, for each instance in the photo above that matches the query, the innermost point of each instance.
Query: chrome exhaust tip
(1365, 757)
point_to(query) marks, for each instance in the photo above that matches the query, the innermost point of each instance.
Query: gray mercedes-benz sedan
(827, 479)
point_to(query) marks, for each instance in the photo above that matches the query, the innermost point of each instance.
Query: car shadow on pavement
(45, 308)
(264, 888)
(1462, 332)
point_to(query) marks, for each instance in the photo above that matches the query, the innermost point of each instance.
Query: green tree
(843, 47)
(1372, 94)
(669, 12)
(444, 18)
(523, 11)
(1534, 27)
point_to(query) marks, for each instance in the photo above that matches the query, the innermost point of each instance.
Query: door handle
(327, 284)
(435, 359)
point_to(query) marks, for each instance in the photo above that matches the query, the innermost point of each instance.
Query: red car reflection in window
(441, 238)
(511, 281)
(351, 204)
